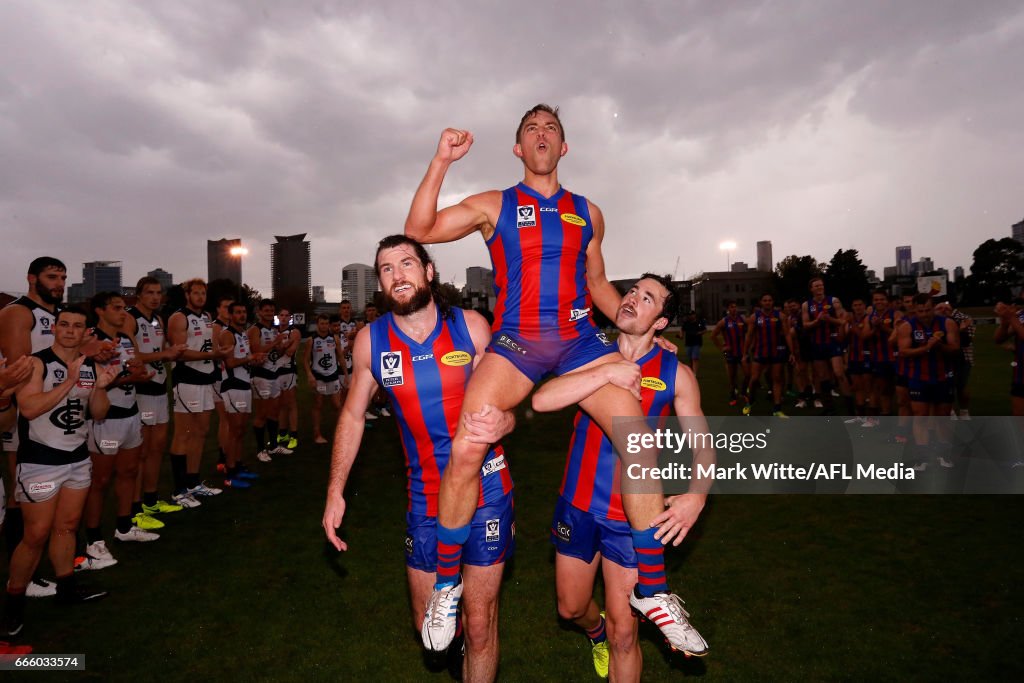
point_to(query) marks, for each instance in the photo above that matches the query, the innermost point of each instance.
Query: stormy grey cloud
(136, 131)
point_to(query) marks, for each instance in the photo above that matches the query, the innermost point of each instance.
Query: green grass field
(782, 587)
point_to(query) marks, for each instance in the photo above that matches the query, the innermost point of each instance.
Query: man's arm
(347, 436)
(339, 356)
(15, 332)
(683, 510)
(574, 387)
(428, 225)
(603, 292)
(227, 342)
(716, 335)
(33, 401)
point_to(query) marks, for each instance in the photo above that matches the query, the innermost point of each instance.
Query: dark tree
(846, 276)
(792, 275)
(997, 270)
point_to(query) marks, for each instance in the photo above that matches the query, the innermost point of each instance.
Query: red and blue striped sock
(597, 634)
(650, 557)
(449, 554)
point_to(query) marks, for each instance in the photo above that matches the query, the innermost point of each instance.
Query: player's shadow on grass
(333, 559)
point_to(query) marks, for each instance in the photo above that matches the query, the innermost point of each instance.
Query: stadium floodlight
(727, 246)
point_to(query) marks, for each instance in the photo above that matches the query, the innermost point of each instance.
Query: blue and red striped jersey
(539, 255)
(592, 473)
(768, 334)
(426, 383)
(859, 348)
(881, 348)
(827, 332)
(933, 366)
(734, 331)
(1018, 353)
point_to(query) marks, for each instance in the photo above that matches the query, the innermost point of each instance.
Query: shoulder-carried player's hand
(666, 344)
(677, 520)
(333, 514)
(454, 144)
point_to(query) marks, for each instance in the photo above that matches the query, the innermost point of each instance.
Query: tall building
(903, 260)
(958, 273)
(922, 266)
(740, 267)
(165, 279)
(221, 264)
(319, 296)
(890, 272)
(1017, 231)
(289, 271)
(765, 264)
(358, 284)
(100, 276)
(479, 281)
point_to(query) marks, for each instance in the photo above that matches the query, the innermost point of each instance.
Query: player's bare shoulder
(479, 329)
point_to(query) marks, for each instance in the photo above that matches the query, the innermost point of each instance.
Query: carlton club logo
(69, 416)
(526, 217)
(391, 368)
(326, 362)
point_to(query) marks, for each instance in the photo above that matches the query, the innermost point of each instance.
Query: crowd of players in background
(85, 401)
(887, 356)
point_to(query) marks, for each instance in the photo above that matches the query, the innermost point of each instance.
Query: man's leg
(622, 627)
(318, 406)
(480, 615)
(38, 520)
(199, 426)
(574, 586)
(102, 471)
(421, 585)
(497, 382)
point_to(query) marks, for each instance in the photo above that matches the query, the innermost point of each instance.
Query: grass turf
(782, 587)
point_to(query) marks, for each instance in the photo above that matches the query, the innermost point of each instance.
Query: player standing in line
(1011, 327)
(236, 391)
(822, 317)
(770, 345)
(729, 335)
(422, 353)
(266, 342)
(859, 362)
(799, 381)
(287, 379)
(54, 472)
(324, 371)
(193, 377)
(115, 440)
(545, 246)
(144, 324)
(926, 343)
(877, 329)
(26, 327)
(220, 323)
(589, 529)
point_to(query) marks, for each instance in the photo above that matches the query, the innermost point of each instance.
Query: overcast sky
(136, 131)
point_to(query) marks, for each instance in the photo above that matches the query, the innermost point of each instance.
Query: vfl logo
(493, 530)
(563, 531)
(525, 217)
(391, 368)
(69, 416)
(59, 374)
(578, 314)
(919, 335)
(45, 323)
(492, 466)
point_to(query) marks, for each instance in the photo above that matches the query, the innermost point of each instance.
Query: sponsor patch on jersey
(573, 219)
(603, 338)
(426, 356)
(456, 358)
(495, 465)
(508, 343)
(109, 443)
(578, 314)
(653, 383)
(408, 544)
(526, 217)
(148, 415)
(38, 487)
(391, 368)
(493, 530)
(563, 531)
